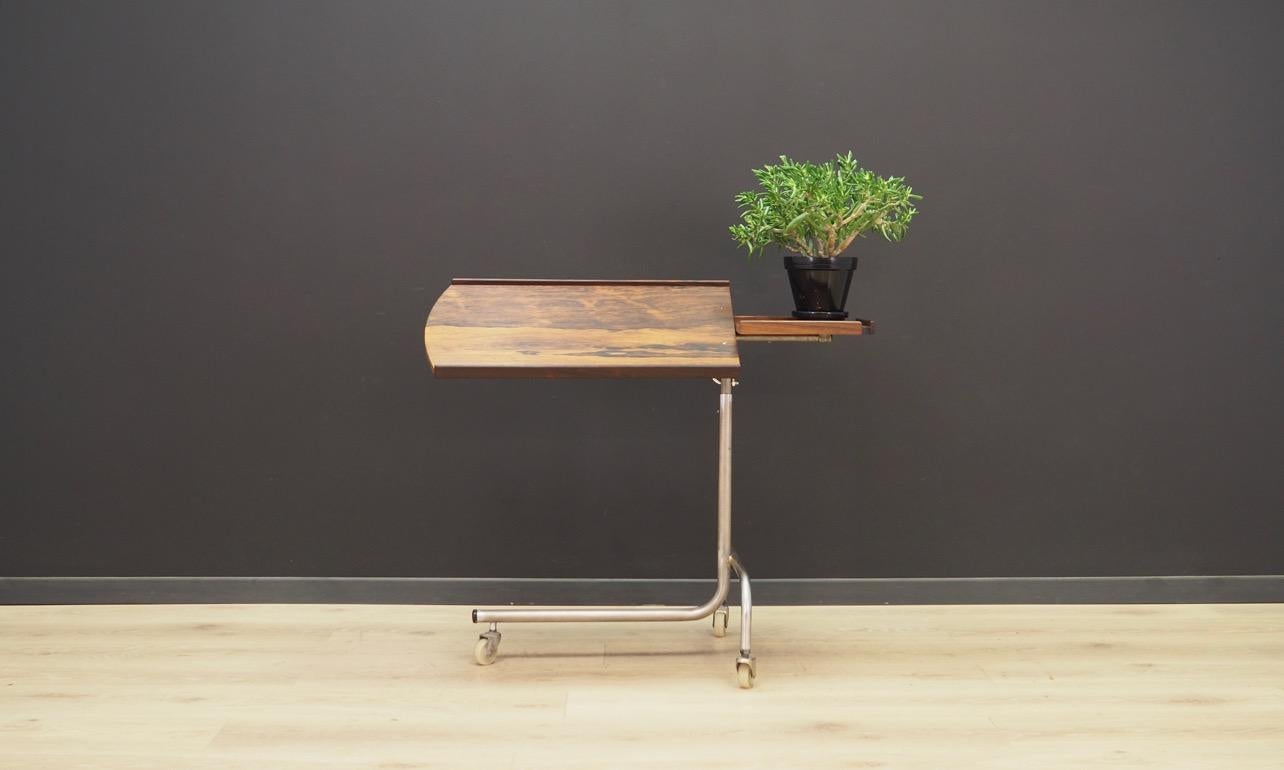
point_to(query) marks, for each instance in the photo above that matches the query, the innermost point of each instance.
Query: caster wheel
(720, 622)
(486, 649)
(745, 673)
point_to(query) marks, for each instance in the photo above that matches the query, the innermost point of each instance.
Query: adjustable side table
(488, 328)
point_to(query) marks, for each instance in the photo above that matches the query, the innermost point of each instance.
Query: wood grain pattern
(583, 329)
(787, 326)
(324, 687)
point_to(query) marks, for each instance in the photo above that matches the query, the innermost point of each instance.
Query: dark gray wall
(224, 223)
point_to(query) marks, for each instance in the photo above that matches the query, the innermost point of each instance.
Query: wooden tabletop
(565, 328)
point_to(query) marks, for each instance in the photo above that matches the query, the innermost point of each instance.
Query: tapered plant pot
(820, 286)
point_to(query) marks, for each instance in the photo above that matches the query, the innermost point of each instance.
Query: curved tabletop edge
(488, 328)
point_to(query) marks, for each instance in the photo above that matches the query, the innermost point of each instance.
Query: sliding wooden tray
(765, 328)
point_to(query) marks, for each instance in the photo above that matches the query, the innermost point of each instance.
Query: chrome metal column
(587, 614)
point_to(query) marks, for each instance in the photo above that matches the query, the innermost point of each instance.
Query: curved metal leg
(746, 606)
(746, 668)
(585, 614)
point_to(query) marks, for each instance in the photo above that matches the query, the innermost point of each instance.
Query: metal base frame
(726, 562)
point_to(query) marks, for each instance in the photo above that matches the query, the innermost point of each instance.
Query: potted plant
(814, 212)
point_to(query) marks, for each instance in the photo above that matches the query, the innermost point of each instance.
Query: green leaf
(796, 221)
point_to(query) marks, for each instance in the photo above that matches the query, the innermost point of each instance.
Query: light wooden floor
(394, 687)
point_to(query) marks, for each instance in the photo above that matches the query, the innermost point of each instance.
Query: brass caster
(487, 648)
(746, 672)
(720, 622)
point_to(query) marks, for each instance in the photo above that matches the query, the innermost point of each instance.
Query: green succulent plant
(817, 210)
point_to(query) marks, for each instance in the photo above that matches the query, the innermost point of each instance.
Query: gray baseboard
(501, 591)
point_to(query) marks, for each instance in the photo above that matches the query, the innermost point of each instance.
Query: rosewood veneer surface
(567, 328)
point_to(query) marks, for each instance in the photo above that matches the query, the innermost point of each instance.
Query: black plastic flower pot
(820, 286)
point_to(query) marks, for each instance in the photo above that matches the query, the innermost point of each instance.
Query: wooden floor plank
(321, 686)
